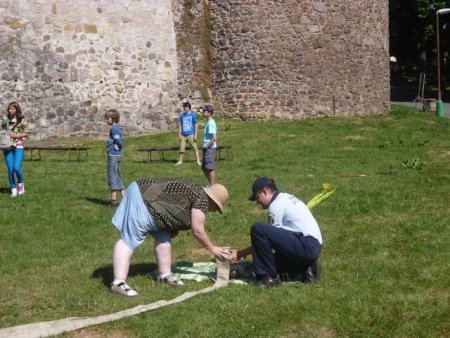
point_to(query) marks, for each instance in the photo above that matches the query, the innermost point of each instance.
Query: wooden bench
(69, 149)
(160, 150)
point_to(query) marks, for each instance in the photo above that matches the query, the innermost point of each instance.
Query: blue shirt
(210, 130)
(187, 123)
(115, 137)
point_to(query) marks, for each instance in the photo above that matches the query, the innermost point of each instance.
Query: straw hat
(219, 194)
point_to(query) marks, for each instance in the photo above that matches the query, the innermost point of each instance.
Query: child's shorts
(209, 158)
(114, 176)
(134, 221)
(187, 139)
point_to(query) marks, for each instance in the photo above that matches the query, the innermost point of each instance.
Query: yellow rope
(328, 190)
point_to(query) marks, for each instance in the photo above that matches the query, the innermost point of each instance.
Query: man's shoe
(171, 280)
(269, 282)
(312, 274)
(123, 289)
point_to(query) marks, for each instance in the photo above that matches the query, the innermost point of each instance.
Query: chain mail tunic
(170, 201)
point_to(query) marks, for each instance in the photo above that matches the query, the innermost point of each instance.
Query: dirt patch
(310, 331)
(354, 137)
(96, 333)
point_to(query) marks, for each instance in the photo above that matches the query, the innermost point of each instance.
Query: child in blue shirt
(209, 145)
(114, 152)
(188, 132)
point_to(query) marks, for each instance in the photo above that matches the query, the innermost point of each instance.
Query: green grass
(386, 236)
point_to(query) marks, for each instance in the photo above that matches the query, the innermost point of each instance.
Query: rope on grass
(328, 190)
(50, 328)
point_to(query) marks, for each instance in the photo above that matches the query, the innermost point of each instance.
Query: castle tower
(298, 58)
(67, 62)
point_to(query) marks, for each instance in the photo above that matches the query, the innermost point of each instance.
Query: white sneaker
(21, 188)
(199, 163)
(178, 163)
(171, 280)
(123, 289)
(13, 192)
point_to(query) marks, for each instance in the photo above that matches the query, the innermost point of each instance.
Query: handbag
(6, 142)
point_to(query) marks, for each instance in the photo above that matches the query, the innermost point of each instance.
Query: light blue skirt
(134, 221)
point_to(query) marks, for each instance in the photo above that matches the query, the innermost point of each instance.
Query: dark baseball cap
(208, 108)
(260, 182)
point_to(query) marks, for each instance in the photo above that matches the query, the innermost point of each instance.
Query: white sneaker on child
(13, 192)
(178, 163)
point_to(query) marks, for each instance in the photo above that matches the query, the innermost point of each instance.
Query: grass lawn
(385, 258)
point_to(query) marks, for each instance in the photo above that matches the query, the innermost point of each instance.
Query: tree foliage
(412, 28)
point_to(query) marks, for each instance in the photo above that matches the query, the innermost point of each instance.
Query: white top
(288, 212)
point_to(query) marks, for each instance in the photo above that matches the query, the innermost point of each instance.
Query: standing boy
(209, 145)
(188, 132)
(114, 152)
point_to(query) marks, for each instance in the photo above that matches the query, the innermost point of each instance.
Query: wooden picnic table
(69, 149)
(161, 149)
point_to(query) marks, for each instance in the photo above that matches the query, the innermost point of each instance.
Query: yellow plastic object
(327, 192)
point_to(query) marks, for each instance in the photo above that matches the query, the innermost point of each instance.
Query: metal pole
(439, 103)
(438, 58)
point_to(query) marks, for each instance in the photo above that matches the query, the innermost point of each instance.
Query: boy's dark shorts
(209, 158)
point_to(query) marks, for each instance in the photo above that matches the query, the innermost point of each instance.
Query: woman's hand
(221, 253)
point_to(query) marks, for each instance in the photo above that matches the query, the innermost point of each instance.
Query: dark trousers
(278, 251)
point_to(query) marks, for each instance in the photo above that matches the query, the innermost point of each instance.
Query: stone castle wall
(297, 58)
(67, 62)
(193, 50)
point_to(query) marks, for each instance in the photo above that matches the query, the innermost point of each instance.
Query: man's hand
(237, 255)
(233, 256)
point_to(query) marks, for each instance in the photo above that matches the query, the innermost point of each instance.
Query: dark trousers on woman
(278, 251)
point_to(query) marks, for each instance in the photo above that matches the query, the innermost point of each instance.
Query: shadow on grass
(106, 272)
(166, 160)
(98, 201)
(4, 190)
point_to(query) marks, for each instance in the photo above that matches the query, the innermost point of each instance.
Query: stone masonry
(295, 58)
(67, 62)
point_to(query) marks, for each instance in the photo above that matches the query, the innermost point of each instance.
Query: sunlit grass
(386, 236)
